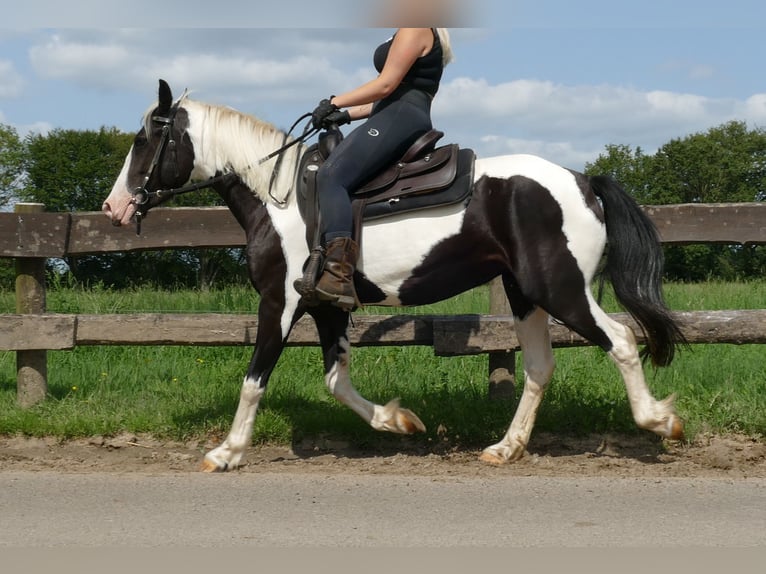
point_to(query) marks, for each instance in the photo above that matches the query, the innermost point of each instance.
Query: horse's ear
(165, 97)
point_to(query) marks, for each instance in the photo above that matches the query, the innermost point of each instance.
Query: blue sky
(558, 78)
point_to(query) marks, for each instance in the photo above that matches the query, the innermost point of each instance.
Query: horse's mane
(227, 140)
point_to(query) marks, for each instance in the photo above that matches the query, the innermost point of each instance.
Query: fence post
(502, 365)
(31, 366)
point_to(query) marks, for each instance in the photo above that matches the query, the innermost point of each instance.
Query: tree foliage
(11, 163)
(723, 165)
(72, 170)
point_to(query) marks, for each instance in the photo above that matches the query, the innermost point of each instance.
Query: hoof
(675, 428)
(492, 458)
(210, 466)
(393, 418)
(409, 422)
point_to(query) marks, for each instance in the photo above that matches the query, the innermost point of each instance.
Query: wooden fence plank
(45, 234)
(33, 234)
(449, 335)
(164, 228)
(710, 222)
(37, 332)
(228, 329)
(475, 334)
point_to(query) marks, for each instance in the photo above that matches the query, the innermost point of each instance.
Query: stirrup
(306, 285)
(344, 302)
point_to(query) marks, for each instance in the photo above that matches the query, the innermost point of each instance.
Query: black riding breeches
(394, 125)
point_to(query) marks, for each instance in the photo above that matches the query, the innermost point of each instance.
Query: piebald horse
(539, 226)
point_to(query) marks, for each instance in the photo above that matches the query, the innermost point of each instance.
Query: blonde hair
(447, 55)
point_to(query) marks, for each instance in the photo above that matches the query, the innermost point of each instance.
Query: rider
(397, 104)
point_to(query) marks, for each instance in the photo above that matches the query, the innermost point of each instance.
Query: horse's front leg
(268, 347)
(332, 325)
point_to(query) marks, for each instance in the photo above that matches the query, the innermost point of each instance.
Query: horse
(541, 227)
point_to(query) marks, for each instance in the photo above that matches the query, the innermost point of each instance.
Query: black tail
(634, 265)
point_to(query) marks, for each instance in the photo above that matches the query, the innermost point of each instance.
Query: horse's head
(161, 158)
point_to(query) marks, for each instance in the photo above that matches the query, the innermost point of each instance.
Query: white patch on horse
(395, 246)
(230, 453)
(120, 195)
(292, 233)
(235, 148)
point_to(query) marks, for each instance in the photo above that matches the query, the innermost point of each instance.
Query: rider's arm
(408, 45)
(360, 112)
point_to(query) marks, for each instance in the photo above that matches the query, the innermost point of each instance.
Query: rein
(141, 195)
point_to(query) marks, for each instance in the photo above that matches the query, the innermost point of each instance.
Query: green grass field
(191, 392)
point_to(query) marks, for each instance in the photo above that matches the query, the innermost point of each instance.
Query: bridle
(141, 195)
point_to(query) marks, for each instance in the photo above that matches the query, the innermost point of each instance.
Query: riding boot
(336, 284)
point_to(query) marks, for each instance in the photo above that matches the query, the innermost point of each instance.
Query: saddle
(425, 176)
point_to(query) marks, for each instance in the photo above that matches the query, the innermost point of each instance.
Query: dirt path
(732, 456)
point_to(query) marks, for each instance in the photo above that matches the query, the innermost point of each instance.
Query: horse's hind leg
(618, 340)
(537, 353)
(332, 325)
(648, 413)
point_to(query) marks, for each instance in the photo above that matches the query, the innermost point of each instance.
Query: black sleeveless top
(424, 74)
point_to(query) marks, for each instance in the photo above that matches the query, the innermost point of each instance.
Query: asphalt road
(52, 509)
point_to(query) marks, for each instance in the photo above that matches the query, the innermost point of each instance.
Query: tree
(725, 164)
(627, 166)
(71, 170)
(11, 163)
(11, 159)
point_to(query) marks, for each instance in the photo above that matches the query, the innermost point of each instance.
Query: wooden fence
(30, 236)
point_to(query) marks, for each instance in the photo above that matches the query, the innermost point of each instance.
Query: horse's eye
(140, 141)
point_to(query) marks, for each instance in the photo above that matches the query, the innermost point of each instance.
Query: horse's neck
(246, 207)
(228, 141)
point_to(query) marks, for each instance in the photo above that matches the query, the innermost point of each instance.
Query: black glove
(324, 109)
(338, 117)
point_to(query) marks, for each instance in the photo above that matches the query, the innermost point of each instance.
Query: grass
(189, 392)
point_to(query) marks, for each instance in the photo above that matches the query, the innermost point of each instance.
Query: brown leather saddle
(425, 176)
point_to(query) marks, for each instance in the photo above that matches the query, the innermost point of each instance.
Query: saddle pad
(459, 190)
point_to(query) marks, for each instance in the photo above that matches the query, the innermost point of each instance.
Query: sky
(557, 78)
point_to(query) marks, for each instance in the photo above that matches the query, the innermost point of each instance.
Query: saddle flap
(432, 171)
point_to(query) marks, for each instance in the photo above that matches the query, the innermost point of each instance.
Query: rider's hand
(338, 117)
(320, 113)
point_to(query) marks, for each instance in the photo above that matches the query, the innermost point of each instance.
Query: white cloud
(11, 82)
(565, 153)
(754, 108)
(86, 63)
(573, 124)
(41, 128)
(241, 64)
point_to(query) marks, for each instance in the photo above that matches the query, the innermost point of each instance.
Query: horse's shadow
(642, 448)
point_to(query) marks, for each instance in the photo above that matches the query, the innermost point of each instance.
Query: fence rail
(64, 234)
(449, 335)
(31, 236)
